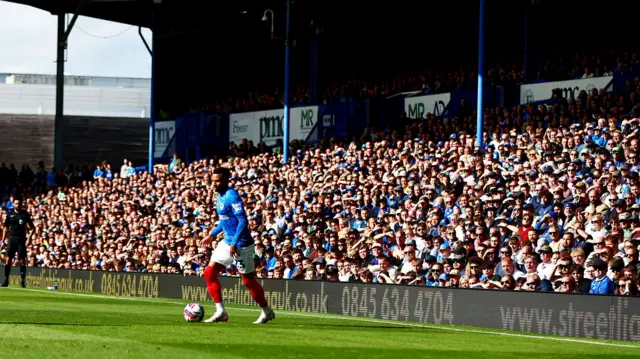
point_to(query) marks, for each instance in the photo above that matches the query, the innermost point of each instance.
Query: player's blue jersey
(233, 220)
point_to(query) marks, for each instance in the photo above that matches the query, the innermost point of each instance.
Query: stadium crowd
(549, 202)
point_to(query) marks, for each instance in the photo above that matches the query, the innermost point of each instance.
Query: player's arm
(238, 211)
(213, 234)
(31, 228)
(5, 229)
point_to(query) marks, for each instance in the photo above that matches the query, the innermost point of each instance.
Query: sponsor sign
(268, 126)
(164, 132)
(419, 107)
(569, 89)
(588, 316)
(327, 120)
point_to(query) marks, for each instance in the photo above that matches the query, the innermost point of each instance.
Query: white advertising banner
(570, 89)
(164, 132)
(268, 126)
(419, 107)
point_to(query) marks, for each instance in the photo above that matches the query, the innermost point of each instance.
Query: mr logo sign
(419, 107)
(307, 119)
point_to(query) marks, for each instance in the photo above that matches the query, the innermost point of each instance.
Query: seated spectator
(601, 283)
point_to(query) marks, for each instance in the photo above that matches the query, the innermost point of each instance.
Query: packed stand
(550, 202)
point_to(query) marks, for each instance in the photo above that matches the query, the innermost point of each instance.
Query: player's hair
(222, 171)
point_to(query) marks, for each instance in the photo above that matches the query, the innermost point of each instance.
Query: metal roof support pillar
(152, 106)
(144, 41)
(63, 36)
(152, 111)
(480, 108)
(526, 43)
(58, 125)
(285, 137)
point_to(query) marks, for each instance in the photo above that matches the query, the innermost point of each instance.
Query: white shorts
(243, 259)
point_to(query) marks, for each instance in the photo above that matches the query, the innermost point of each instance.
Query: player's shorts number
(243, 259)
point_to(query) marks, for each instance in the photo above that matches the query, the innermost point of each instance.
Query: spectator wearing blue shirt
(486, 141)
(51, 178)
(598, 138)
(433, 276)
(131, 171)
(377, 209)
(601, 283)
(98, 172)
(450, 205)
(618, 156)
(444, 251)
(359, 220)
(545, 205)
(290, 267)
(108, 174)
(270, 257)
(9, 205)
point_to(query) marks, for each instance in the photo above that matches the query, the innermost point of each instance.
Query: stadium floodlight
(285, 136)
(265, 18)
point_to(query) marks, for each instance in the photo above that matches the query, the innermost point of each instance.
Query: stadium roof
(131, 12)
(139, 12)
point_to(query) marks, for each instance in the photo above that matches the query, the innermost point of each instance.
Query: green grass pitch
(41, 324)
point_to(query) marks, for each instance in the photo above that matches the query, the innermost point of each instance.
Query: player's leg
(220, 259)
(247, 269)
(257, 292)
(22, 257)
(7, 272)
(12, 248)
(214, 287)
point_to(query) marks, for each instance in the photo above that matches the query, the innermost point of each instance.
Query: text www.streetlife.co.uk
(613, 325)
(283, 300)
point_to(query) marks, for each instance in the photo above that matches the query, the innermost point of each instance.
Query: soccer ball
(193, 312)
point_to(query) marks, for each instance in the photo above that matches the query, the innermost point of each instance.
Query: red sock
(213, 284)
(256, 290)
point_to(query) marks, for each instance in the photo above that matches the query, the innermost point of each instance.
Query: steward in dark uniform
(16, 225)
